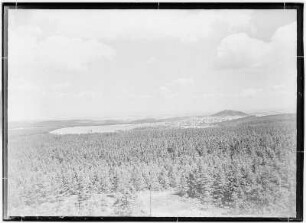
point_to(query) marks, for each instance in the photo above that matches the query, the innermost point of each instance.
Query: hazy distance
(149, 63)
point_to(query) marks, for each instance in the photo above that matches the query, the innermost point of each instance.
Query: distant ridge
(229, 113)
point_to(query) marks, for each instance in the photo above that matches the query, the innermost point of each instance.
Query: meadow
(244, 167)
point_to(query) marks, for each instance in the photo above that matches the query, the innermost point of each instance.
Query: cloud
(238, 51)
(55, 52)
(251, 92)
(152, 60)
(177, 87)
(137, 24)
(78, 95)
(244, 93)
(132, 96)
(286, 34)
(168, 93)
(279, 87)
(22, 85)
(140, 96)
(284, 45)
(208, 95)
(109, 51)
(180, 82)
(87, 94)
(72, 53)
(62, 85)
(282, 89)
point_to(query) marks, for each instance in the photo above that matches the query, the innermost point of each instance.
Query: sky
(66, 64)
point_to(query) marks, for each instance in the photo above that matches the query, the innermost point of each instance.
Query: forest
(247, 168)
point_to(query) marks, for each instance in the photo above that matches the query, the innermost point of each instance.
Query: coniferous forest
(245, 168)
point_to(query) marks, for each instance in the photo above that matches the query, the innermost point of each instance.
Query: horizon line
(151, 116)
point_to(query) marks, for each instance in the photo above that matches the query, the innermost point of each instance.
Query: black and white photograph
(141, 112)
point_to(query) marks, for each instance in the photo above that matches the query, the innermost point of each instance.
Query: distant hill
(229, 113)
(254, 120)
(146, 120)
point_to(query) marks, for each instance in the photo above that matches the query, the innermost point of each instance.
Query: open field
(118, 127)
(94, 129)
(247, 167)
(185, 122)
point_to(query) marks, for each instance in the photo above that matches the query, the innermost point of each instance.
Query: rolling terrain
(227, 113)
(166, 167)
(55, 126)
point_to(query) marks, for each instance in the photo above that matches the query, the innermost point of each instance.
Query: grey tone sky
(117, 63)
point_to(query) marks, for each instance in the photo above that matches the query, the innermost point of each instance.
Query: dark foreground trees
(248, 169)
